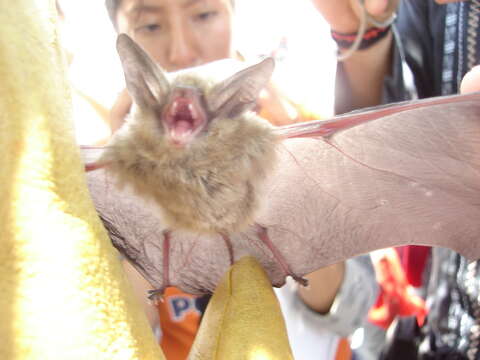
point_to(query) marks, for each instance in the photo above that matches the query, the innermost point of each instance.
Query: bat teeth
(174, 108)
(183, 117)
(181, 108)
(192, 110)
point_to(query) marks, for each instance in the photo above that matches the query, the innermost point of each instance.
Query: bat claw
(155, 296)
(301, 280)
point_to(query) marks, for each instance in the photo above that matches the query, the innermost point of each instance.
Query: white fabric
(315, 336)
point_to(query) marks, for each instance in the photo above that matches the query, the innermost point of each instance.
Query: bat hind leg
(263, 236)
(157, 294)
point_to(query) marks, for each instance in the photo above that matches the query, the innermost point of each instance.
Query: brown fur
(209, 186)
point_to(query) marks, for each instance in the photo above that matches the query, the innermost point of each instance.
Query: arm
(305, 327)
(348, 309)
(368, 66)
(376, 75)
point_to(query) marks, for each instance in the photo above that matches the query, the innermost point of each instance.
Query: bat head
(184, 109)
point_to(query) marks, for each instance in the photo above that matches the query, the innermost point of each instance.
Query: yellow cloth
(243, 319)
(62, 292)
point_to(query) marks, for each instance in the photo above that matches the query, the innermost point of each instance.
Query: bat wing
(395, 177)
(327, 128)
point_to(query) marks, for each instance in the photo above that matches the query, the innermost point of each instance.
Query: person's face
(179, 33)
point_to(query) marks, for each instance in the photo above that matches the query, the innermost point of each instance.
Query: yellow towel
(62, 292)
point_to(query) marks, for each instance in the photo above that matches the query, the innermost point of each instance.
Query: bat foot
(263, 235)
(300, 280)
(155, 296)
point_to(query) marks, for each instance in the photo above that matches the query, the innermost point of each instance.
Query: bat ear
(146, 82)
(239, 92)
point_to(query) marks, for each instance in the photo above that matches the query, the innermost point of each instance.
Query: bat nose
(185, 91)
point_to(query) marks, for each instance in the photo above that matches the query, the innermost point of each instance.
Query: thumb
(377, 7)
(380, 10)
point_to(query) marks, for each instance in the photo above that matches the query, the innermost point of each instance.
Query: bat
(188, 115)
(194, 147)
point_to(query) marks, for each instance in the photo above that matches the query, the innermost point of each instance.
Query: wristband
(363, 38)
(369, 38)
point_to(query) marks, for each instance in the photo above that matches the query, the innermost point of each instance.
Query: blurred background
(290, 30)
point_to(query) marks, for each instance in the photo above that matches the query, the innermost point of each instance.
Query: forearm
(364, 70)
(356, 294)
(363, 75)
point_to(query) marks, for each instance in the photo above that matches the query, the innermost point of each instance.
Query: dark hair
(113, 5)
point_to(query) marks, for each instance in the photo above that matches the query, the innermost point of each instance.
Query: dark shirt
(440, 43)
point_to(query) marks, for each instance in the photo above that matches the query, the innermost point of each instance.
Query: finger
(471, 81)
(378, 10)
(338, 14)
(377, 7)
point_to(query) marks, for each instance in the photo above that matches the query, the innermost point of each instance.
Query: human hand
(471, 81)
(344, 15)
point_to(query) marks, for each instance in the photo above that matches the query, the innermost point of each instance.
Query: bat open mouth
(183, 117)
